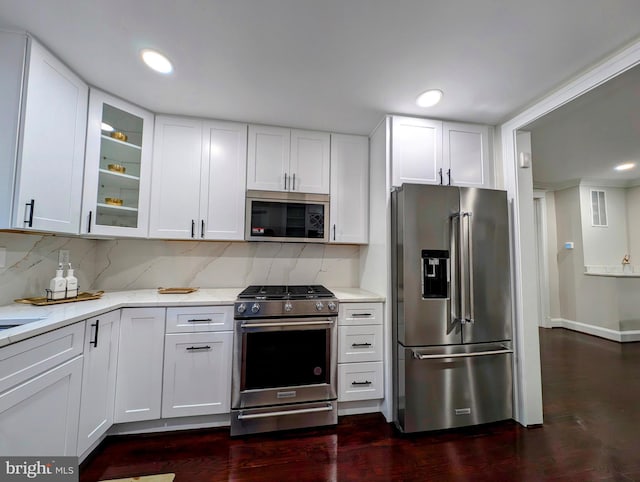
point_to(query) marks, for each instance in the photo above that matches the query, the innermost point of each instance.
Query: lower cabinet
(40, 382)
(139, 373)
(98, 378)
(360, 352)
(197, 374)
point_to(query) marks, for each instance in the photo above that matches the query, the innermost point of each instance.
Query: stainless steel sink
(6, 323)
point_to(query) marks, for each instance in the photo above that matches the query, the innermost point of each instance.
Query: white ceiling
(330, 64)
(586, 138)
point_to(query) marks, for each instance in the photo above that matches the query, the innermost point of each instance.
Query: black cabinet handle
(193, 228)
(334, 232)
(449, 176)
(32, 206)
(200, 320)
(440, 173)
(192, 348)
(294, 182)
(285, 181)
(356, 345)
(360, 315)
(366, 382)
(202, 228)
(95, 336)
(89, 225)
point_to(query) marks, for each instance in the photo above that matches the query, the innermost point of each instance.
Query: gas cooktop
(284, 292)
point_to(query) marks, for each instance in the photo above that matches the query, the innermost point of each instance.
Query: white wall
(552, 256)
(604, 245)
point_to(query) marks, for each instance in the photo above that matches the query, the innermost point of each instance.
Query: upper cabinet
(41, 186)
(349, 208)
(281, 159)
(427, 151)
(117, 168)
(198, 179)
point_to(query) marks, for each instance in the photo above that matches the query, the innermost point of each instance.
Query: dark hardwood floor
(591, 432)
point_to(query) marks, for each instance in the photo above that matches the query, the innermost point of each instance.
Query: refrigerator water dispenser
(435, 273)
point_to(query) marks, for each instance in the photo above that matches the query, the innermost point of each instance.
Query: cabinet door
(224, 176)
(139, 373)
(51, 156)
(98, 378)
(268, 158)
(175, 192)
(416, 151)
(197, 374)
(360, 381)
(309, 164)
(40, 416)
(117, 168)
(349, 189)
(466, 152)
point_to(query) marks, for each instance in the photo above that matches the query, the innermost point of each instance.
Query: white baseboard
(607, 333)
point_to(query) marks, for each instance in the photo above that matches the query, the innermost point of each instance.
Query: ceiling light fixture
(625, 167)
(429, 98)
(156, 61)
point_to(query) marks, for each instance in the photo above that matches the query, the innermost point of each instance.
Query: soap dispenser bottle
(58, 285)
(72, 283)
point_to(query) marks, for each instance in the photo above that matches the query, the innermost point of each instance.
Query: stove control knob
(332, 306)
(242, 308)
(255, 308)
(319, 306)
(288, 306)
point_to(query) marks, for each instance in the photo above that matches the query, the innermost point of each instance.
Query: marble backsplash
(133, 264)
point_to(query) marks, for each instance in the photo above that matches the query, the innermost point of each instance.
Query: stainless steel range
(284, 359)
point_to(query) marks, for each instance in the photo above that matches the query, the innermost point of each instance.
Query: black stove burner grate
(281, 292)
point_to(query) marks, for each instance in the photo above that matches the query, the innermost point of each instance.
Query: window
(598, 209)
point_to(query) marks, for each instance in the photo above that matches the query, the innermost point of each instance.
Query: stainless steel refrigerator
(451, 304)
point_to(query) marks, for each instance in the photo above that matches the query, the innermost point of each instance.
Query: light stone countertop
(57, 316)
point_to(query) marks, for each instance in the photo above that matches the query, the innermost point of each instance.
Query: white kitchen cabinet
(117, 168)
(416, 151)
(139, 372)
(197, 374)
(98, 378)
(281, 159)
(349, 208)
(466, 154)
(360, 352)
(197, 361)
(41, 189)
(40, 380)
(427, 151)
(198, 179)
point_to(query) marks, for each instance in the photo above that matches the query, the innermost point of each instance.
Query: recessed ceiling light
(107, 127)
(625, 167)
(157, 61)
(429, 98)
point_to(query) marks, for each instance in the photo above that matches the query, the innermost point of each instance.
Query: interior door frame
(542, 255)
(519, 185)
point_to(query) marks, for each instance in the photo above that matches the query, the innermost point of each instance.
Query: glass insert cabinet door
(117, 167)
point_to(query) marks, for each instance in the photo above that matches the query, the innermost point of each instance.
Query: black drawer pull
(358, 345)
(192, 348)
(361, 315)
(366, 382)
(200, 320)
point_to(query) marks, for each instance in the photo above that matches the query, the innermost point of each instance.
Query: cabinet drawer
(360, 343)
(360, 381)
(360, 314)
(28, 358)
(199, 318)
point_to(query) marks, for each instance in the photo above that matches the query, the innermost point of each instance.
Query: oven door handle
(285, 324)
(250, 416)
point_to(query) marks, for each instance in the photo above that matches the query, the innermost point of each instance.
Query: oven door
(284, 361)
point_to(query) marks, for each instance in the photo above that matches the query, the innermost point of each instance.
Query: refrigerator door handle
(421, 356)
(462, 263)
(454, 271)
(471, 317)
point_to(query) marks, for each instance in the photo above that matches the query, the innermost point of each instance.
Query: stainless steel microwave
(287, 216)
